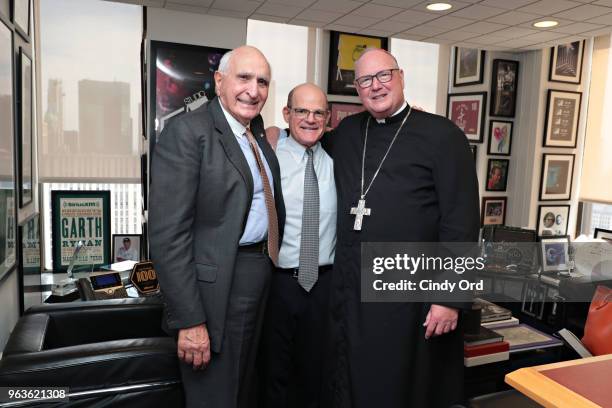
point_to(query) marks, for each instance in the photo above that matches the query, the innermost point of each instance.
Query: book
(484, 336)
(486, 359)
(490, 312)
(523, 337)
(574, 343)
(513, 321)
(482, 349)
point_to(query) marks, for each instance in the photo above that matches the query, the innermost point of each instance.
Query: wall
(9, 306)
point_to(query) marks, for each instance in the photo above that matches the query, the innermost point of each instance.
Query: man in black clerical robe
(393, 355)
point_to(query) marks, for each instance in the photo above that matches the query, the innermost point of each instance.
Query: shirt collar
(238, 128)
(384, 120)
(298, 151)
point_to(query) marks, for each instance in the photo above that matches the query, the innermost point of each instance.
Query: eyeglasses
(383, 76)
(302, 113)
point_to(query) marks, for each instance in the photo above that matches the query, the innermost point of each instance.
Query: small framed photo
(557, 174)
(497, 174)
(127, 247)
(474, 149)
(21, 17)
(566, 62)
(553, 220)
(554, 253)
(603, 234)
(340, 110)
(494, 210)
(500, 137)
(504, 84)
(469, 66)
(467, 111)
(562, 115)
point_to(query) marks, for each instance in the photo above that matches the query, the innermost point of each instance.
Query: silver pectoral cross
(359, 212)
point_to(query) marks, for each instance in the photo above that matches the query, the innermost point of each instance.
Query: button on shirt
(292, 158)
(256, 229)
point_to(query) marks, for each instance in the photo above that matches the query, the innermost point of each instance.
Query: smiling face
(307, 130)
(243, 89)
(380, 99)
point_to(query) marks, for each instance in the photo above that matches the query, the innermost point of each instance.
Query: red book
(482, 349)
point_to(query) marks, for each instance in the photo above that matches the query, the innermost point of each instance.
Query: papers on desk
(523, 337)
(122, 266)
(593, 259)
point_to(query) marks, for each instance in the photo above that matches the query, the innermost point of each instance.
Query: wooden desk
(581, 383)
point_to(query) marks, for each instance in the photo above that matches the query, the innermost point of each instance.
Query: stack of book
(484, 347)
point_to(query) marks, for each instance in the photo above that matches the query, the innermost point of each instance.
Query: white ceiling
(485, 24)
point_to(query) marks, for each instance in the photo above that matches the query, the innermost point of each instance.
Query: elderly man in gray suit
(216, 219)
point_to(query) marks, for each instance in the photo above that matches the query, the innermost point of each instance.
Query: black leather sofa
(110, 353)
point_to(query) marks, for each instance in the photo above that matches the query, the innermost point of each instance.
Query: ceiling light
(546, 24)
(438, 6)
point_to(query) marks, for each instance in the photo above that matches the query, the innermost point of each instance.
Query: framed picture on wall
(469, 66)
(467, 111)
(603, 234)
(25, 134)
(340, 110)
(556, 180)
(566, 62)
(500, 137)
(562, 116)
(493, 210)
(497, 174)
(504, 83)
(127, 247)
(344, 50)
(21, 17)
(553, 220)
(554, 253)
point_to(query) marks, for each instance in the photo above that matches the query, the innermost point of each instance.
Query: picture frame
(497, 174)
(556, 177)
(552, 220)
(469, 66)
(340, 110)
(603, 234)
(80, 216)
(25, 142)
(344, 50)
(504, 85)
(500, 137)
(554, 254)
(21, 17)
(562, 118)
(566, 63)
(467, 111)
(127, 247)
(493, 210)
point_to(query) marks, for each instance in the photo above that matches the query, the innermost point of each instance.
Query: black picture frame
(466, 61)
(135, 242)
(25, 138)
(458, 107)
(562, 118)
(605, 234)
(490, 208)
(492, 182)
(549, 178)
(79, 215)
(21, 17)
(552, 220)
(566, 63)
(504, 86)
(497, 137)
(340, 73)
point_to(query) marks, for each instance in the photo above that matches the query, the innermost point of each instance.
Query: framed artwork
(21, 17)
(25, 134)
(554, 253)
(566, 62)
(500, 137)
(80, 216)
(493, 210)
(504, 83)
(344, 50)
(562, 115)
(467, 111)
(340, 110)
(474, 149)
(497, 174)
(127, 247)
(30, 244)
(603, 234)
(469, 66)
(553, 220)
(557, 174)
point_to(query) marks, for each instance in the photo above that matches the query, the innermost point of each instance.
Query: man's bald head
(306, 113)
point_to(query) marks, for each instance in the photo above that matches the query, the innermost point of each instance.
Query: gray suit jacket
(201, 193)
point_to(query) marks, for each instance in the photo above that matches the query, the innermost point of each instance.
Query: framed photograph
(553, 220)
(493, 211)
(344, 50)
(469, 66)
(504, 83)
(30, 244)
(603, 234)
(497, 174)
(474, 149)
(25, 134)
(467, 111)
(566, 63)
(127, 247)
(562, 115)
(557, 174)
(554, 253)
(500, 137)
(80, 216)
(340, 110)
(21, 17)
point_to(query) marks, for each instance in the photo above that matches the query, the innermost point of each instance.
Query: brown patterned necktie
(270, 205)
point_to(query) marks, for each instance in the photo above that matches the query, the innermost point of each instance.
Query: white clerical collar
(238, 128)
(383, 120)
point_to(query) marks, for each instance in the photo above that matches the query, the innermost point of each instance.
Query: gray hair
(225, 61)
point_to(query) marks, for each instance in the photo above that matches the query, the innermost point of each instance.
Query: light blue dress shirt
(256, 229)
(292, 159)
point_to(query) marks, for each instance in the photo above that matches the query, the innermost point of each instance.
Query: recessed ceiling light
(545, 24)
(438, 6)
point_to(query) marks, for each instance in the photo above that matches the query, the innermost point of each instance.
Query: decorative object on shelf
(340, 110)
(467, 111)
(555, 254)
(469, 66)
(493, 211)
(553, 220)
(562, 117)
(504, 84)
(25, 134)
(500, 137)
(21, 17)
(497, 174)
(557, 174)
(566, 62)
(127, 247)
